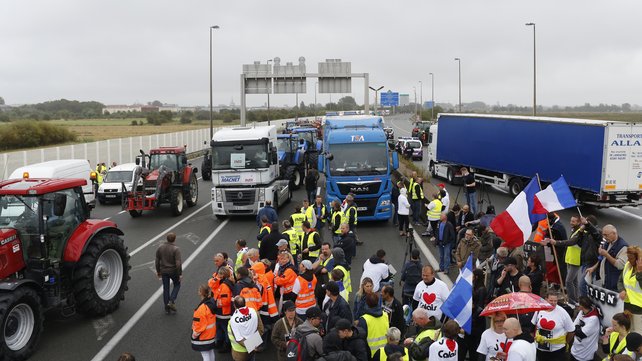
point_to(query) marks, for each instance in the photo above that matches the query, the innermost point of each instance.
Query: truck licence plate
(362, 208)
(110, 196)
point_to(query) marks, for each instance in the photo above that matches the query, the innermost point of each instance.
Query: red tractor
(167, 178)
(53, 257)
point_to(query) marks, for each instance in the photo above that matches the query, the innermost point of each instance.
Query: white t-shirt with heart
(492, 342)
(431, 297)
(444, 349)
(553, 324)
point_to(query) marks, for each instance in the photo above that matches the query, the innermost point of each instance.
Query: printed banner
(607, 300)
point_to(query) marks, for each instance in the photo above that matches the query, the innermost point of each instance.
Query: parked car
(111, 188)
(390, 133)
(420, 131)
(410, 148)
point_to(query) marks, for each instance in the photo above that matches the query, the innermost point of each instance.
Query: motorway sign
(389, 99)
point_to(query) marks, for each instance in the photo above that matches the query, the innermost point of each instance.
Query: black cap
(343, 324)
(313, 312)
(510, 260)
(288, 306)
(633, 341)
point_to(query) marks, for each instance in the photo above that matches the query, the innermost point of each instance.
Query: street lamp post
(269, 88)
(414, 89)
(534, 72)
(211, 107)
(421, 96)
(432, 95)
(376, 92)
(458, 60)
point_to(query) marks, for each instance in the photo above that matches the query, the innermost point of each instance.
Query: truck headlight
(261, 194)
(385, 202)
(219, 195)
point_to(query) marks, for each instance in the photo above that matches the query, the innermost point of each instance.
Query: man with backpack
(410, 276)
(306, 343)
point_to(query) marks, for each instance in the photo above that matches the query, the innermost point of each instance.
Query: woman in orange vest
(268, 309)
(222, 287)
(286, 277)
(204, 324)
(304, 287)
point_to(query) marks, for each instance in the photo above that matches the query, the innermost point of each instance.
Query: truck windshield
(359, 159)
(283, 144)
(245, 156)
(118, 176)
(21, 213)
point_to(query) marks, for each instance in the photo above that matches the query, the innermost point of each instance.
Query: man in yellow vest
(292, 237)
(427, 332)
(296, 220)
(416, 196)
(308, 211)
(393, 336)
(338, 218)
(572, 258)
(351, 215)
(375, 323)
(244, 323)
(310, 243)
(265, 229)
(433, 213)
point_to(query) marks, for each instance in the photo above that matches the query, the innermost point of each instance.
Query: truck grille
(369, 204)
(240, 197)
(359, 187)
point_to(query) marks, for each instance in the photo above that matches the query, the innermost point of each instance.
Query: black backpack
(413, 273)
(297, 347)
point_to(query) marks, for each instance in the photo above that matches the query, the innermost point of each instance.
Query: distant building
(111, 109)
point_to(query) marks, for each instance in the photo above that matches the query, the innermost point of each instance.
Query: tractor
(167, 178)
(53, 258)
(311, 144)
(291, 155)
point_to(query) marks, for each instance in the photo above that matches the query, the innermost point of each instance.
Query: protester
(347, 337)
(285, 277)
(204, 324)
(222, 290)
(629, 286)
(394, 198)
(366, 288)
(264, 230)
(614, 339)
(470, 187)
(410, 277)
(311, 184)
(444, 196)
(433, 214)
(590, 244)
(431, 293)
(508, 280)
(493, 339)
(393, 336)
(587, 331)
(525, 319)
(241, 253)
(352, 216)
(613, 258)
(465, 216)
(572, 258)
(169, 266)
(467, 246)
(535, 273)
(634, 345)
(321, 212)
(393, 308)
(416, 196)
(403, 211)
(374, 322)
(268, 248)
(554, 329)
(445, 348)
(293, 238)
(427, 331)
(304, 287)
(522, 347)
(248, 289)
(244, 323)
(376, 269)
(496, 264)
(284, 329)
(269, 212)
(310, 330)
(310, 243)
(338, 218)
(296, 220)
(347, 242)
(336, 307)
(341, 266)
(445, 239)
(308, 211)
(322, 268)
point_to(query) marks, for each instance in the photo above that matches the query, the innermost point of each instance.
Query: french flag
(555, 197)
(515, 224)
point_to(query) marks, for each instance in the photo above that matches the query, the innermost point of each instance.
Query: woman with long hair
(629, 286)
(366, 288)
(614, 339)
(204, 324)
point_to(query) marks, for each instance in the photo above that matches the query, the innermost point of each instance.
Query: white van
(63, 168)
(111, 188)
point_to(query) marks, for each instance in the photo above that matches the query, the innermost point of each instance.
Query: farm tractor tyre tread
(192, 194)
(294, 176)
(21, 323)
(101, 275)
(176, 201)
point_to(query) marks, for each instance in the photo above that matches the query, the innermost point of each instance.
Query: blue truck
(600, 160)
(356, 159)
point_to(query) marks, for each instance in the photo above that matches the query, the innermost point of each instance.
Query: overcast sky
(121, 52)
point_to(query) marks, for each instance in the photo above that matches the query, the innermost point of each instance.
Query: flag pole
(550, 233)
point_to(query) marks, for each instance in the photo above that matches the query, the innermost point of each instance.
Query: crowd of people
(295, 290)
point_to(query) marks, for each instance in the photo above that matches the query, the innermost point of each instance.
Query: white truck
(245, 171)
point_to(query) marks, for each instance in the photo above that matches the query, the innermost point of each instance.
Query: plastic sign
(237, 160)
(357, 138)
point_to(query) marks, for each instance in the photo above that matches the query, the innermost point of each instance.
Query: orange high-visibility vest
(542, 231)
(305, 299)
(252, 297)
(222, 294)
(286, 280)
(268, 304)
(204, 322)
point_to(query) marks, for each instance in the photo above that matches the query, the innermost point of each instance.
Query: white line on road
(168, 229)
(111, 344)
(627, 213)
(431, 259)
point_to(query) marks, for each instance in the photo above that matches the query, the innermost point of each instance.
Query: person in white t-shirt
(431, 293)
(493, 339)
(376, 269)
(445, 348)
(554, 329)
(522, 346)
(587, 331)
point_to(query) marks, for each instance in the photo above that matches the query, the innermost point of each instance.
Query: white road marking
(113, 342)
(431, 259)
(627, 213)
(168, 229)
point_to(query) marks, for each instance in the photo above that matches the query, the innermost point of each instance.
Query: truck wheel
(275, 202)
(206, 168)
(101, 275)
(176, 201)
(515, 186)
(292, 174)
(221, 217)
(21, 320)
(450, 176)
(192, 194)
(431, 168)
(313, 161)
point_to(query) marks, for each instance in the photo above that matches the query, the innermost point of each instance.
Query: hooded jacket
(348, 243)
(314, 340)
(356, 344)
(338, 310)
(339, 256)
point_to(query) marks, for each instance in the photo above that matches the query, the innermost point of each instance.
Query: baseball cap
(281, 242)
(313, 312)
(510, 260)
(441, 185)
(288, 306)
(307, 264)
(343, 324)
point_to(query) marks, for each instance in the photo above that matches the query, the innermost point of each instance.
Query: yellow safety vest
(342, 219)
(295, 241)
(621, 347)
(384, 357)
(235, 345)
(298, 219)
(239, 258)
(261, 231)
(632, 287)
(352, 208)
(430, 333)
(310, 216)
(377, 328)
(324, 263)
(435, 213)
(574, 252)
(414, 194)
(411, 184)
(346, 278)
(310, 237)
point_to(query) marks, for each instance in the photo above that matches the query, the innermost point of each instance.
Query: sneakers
(425, 234)
(171, 305)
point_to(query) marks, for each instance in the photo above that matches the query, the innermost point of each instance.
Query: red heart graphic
(505, 347)
(451, 344)
(547, 324)
(245, 311)
(429, 298)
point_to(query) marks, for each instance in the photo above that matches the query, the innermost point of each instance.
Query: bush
(185, 119)
(134, 122)
(27, 134)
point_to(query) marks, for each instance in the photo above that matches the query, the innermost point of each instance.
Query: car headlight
(385, 202)
(219, 195)
(261, 194)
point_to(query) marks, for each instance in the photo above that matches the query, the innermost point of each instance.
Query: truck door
(623, 163)
(635, 158)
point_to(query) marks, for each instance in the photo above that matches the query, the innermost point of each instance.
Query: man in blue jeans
(169, 267)
(445, 238)
(471, 189)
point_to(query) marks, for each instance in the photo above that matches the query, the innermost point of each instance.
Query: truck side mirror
(274, 158)
(329, 156)
(59, 204)
(137, 161)
(395, 160)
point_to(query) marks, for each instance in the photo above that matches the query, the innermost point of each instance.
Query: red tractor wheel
(192, 193)
(21, 320)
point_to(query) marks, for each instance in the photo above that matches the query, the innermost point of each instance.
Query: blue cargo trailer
(601, 160)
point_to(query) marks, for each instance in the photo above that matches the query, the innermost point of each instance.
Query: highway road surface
(140, 325)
